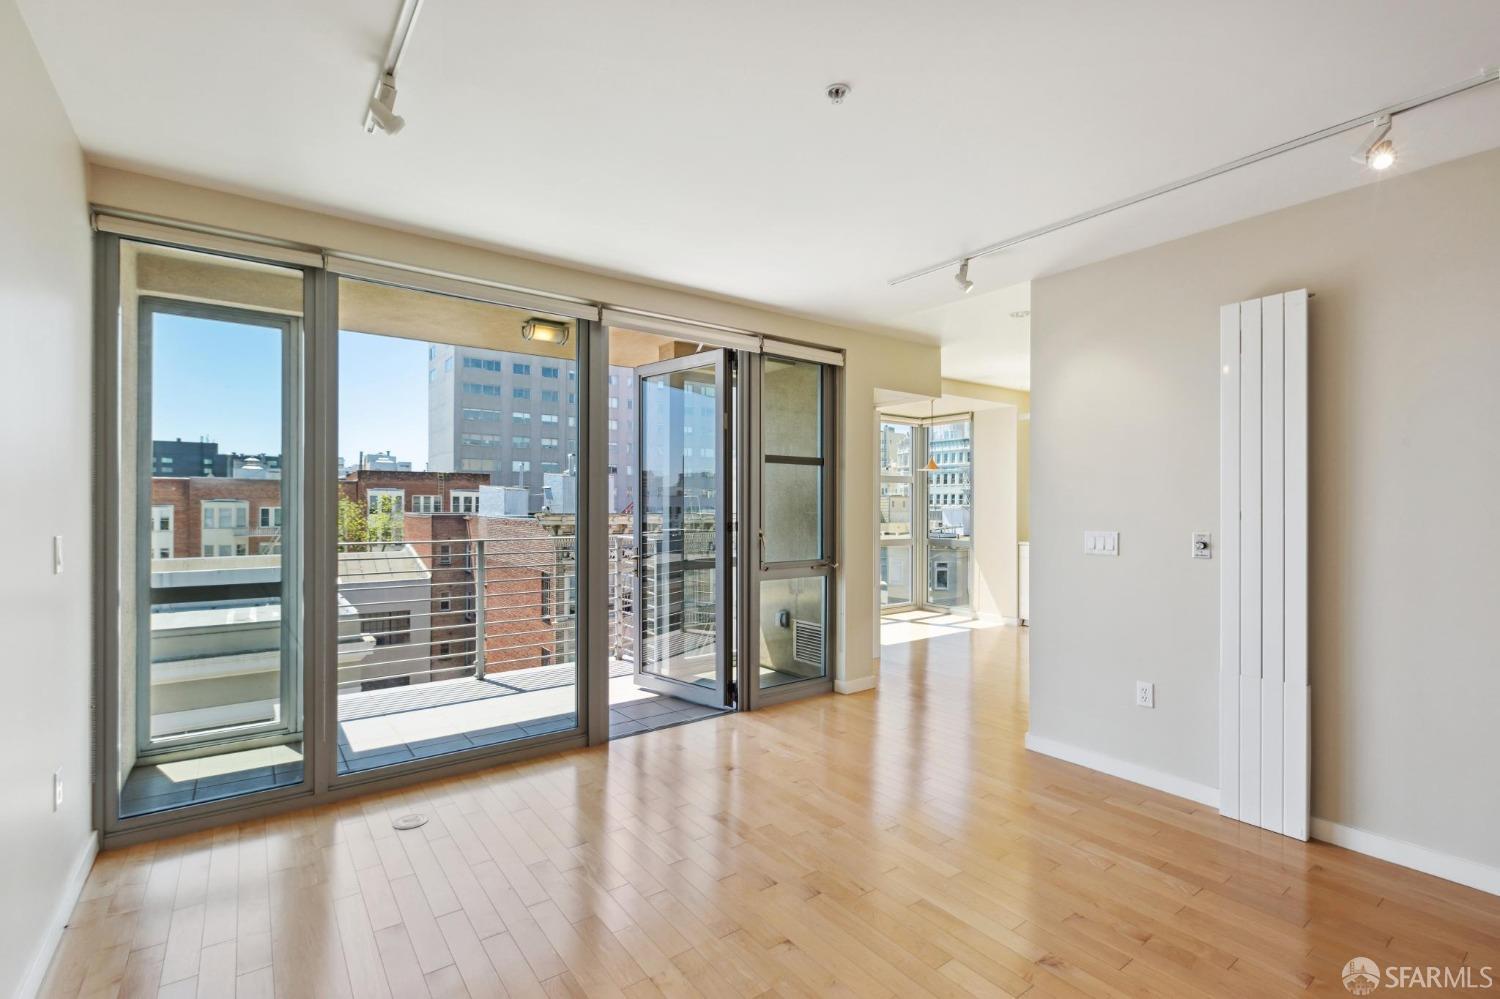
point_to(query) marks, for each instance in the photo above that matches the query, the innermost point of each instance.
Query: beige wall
(1405, 547)
(45, 410)
(876, 362)
(995, 494)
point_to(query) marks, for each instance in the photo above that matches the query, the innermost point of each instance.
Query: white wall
(1405, 460)
(45, 413)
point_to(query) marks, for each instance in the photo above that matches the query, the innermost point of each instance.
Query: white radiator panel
(1263, 693)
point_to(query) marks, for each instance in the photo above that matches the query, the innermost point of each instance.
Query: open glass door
(682, 580)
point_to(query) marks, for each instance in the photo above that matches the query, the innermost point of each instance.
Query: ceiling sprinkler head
(837, 92)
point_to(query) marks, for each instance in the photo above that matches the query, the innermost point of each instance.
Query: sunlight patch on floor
(915, 626)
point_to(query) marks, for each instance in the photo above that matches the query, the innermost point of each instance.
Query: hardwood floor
(892, 844)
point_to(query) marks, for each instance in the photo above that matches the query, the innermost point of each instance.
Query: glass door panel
(681, 524)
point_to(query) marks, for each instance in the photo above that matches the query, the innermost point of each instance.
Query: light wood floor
(891, 844)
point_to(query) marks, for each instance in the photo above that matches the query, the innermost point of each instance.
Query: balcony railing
(499, 609)
(444, 608)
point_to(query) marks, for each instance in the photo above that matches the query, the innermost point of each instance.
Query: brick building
(198, 517)
(415, 492)
(525, 569)
(529, 619)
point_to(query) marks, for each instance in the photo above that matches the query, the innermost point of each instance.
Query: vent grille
(807, 642)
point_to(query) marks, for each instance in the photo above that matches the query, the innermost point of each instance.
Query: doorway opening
(672, 463)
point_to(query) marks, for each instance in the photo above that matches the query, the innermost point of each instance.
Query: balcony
(443, 645)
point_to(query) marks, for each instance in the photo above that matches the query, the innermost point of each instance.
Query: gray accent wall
(1405, 468)
(45, 295)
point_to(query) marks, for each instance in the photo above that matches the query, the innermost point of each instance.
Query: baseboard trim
(1419, 858)
(41, 961)
(854, 686)
(1125, 770)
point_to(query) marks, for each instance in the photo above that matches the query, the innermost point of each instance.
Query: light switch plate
(1101, 543)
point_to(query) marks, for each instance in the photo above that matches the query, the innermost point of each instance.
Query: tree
(360, 527)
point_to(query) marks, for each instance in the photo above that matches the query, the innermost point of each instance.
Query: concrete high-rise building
(514, 417)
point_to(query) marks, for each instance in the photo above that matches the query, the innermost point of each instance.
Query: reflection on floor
(774, 677)
(633, 711)
(154, 787)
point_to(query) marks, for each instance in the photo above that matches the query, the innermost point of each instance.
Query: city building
(506, 415)
(214, 517)
(375, 461)
(182, 458)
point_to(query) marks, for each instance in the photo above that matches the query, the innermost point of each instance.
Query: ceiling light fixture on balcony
(544, 331)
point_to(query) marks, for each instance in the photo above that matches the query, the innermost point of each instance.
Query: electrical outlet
(57, 790)
(1145, 694)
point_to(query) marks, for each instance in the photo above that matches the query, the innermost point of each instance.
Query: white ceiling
(690, 143)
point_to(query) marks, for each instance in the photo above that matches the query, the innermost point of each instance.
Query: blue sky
(223, 381)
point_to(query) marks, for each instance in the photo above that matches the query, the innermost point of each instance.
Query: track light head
(962, 277)
(1377, 151)
(383, 108)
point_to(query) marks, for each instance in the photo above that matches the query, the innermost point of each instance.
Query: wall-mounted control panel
(1203, 545)
(1101, 542)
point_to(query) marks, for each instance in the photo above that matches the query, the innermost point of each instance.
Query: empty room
(656, 499)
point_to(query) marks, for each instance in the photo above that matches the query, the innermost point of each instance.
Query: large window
(206, 688)
(926, 513)
(349, 496)
(454, 643)
(950, 513)
(898, 493)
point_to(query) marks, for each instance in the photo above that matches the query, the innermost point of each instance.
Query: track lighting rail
(1364, 120)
